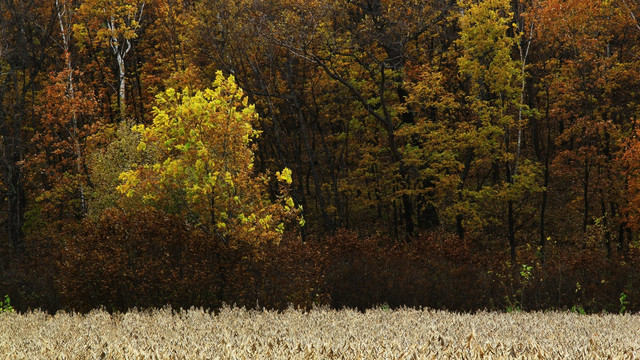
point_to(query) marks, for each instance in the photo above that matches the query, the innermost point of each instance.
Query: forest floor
(318, 334)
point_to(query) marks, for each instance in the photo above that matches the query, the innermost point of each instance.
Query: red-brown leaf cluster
(150, 259)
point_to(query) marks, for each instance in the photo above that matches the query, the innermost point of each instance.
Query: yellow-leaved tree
(204, 168)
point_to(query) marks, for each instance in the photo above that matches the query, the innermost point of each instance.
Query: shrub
(141, 259)
(5, 305)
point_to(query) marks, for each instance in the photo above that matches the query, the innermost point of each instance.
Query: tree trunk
(585, 195)
(543, 209)
(16, 205)
(63, 11)
(512, 233)
(121, 89)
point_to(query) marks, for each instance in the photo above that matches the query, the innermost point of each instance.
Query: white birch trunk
(121, 88)
(66, 37)
(524, 53)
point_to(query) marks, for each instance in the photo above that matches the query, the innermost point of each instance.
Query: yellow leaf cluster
(205, 167)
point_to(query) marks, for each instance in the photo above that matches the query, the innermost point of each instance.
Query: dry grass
(319, 334)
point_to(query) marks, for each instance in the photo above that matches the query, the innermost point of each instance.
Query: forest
(460, 155)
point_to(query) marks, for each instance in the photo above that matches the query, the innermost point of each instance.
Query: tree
(286, 89)
(66, 113)
(362, 47)
(478, 131)
(204, 170)
(587, 70)
(113, 23)
(26, 29)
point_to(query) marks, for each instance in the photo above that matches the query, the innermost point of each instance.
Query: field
(318, 334)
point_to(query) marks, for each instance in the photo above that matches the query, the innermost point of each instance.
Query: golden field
(318, 334)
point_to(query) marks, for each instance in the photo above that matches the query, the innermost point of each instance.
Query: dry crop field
(318, 334)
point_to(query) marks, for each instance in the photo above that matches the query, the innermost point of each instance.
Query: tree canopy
(493, 133)
(204, 164)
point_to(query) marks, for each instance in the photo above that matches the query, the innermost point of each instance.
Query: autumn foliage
(204, 167)
(462, 155)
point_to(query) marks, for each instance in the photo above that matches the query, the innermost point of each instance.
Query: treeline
(455, 154)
